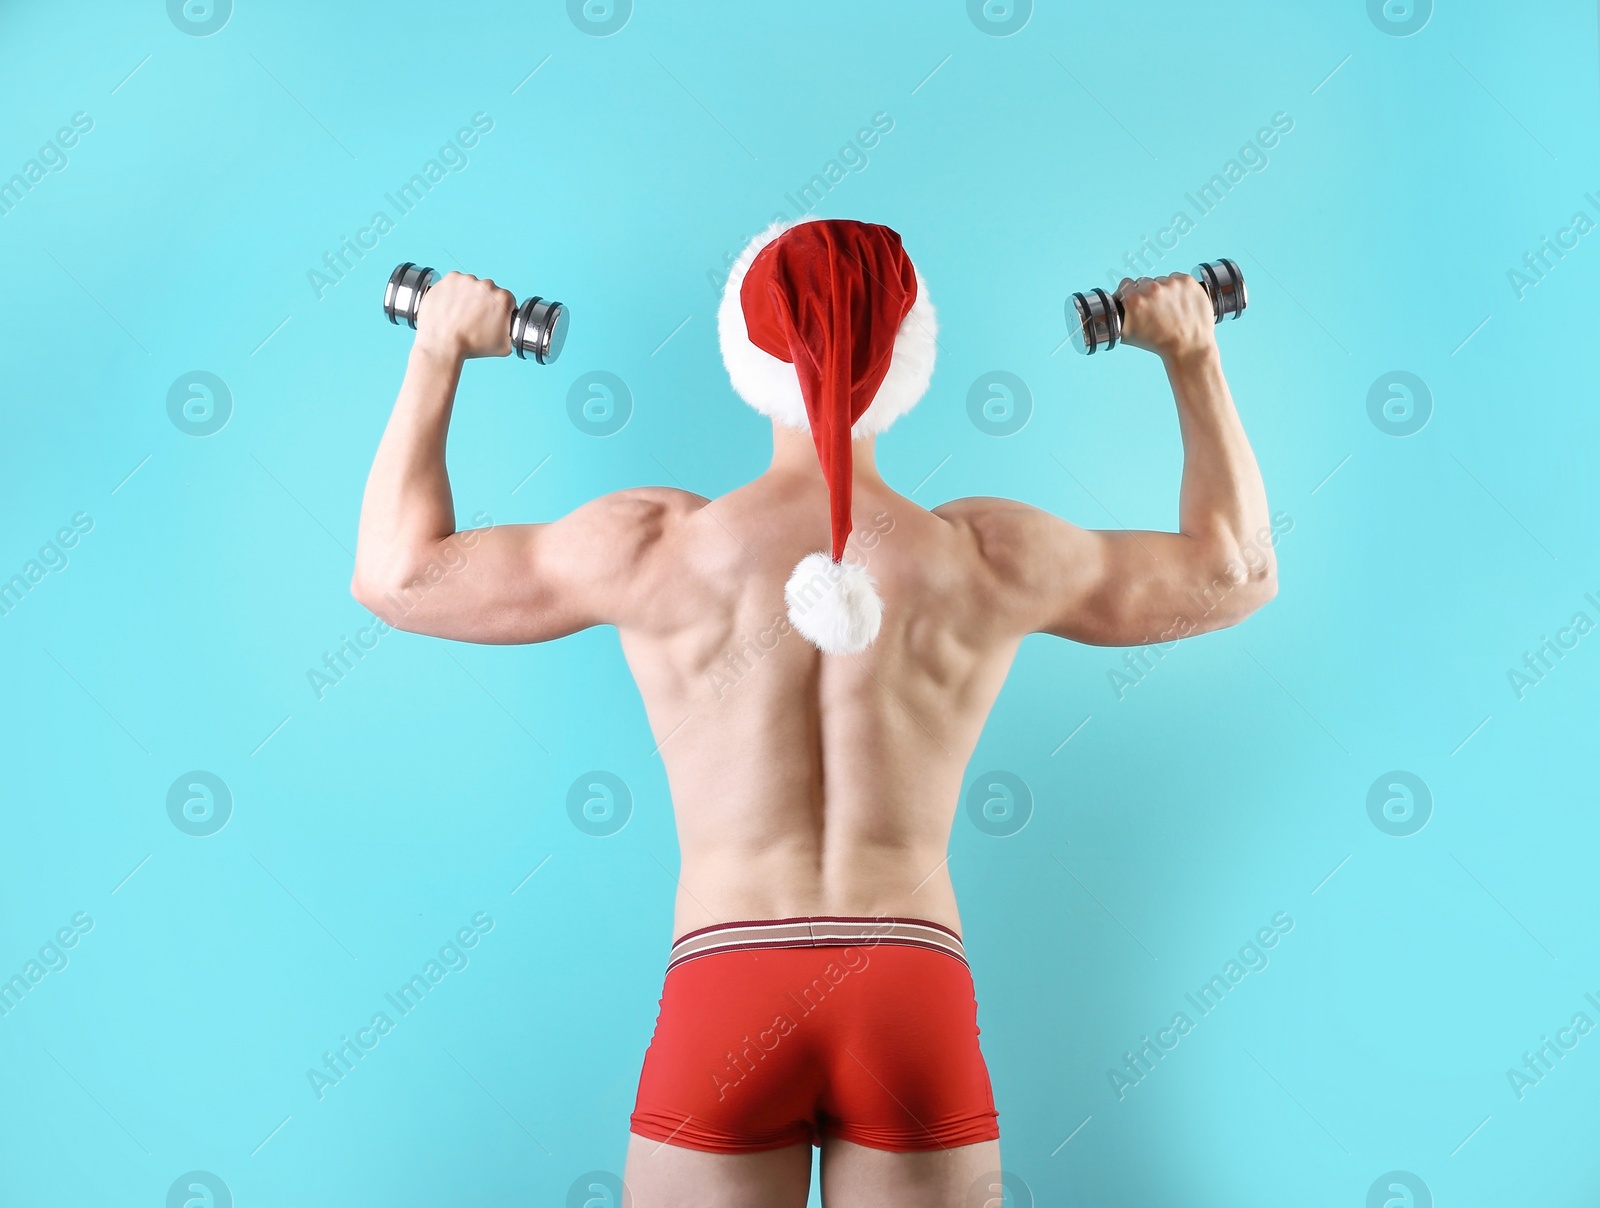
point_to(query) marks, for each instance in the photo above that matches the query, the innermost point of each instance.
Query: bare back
(807, 784)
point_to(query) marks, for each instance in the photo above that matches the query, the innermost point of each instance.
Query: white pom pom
(834, 605)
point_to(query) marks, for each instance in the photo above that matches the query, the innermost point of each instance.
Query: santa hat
(826, 327)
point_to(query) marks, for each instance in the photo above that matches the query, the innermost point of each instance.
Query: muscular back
(807, 784)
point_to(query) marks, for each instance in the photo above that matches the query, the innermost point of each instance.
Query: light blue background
(369, 825)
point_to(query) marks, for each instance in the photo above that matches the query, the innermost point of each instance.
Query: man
(816, 720)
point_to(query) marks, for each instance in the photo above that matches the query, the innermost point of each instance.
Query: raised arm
(1129, 588)
(509, 583)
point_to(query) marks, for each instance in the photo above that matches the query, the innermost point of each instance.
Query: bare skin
(806, 784)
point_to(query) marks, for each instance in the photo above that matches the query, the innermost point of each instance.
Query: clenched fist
(1170, 316)
(463, 317)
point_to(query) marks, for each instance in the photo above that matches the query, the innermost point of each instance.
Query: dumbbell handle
(538, 326)
(1095, 317)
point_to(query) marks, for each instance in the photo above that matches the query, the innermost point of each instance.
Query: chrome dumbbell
(1095, 317)
(538, 326)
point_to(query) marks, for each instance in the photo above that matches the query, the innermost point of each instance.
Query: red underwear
(779, 1033)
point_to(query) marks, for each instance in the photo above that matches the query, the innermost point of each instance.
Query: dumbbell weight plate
(402, 297)
(1096, 321)
(1225, 284)
(539, 329)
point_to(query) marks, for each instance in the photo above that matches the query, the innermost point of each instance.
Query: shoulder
(647, 512)
(616, 534)
(981, 511)
(1003, 534)
(610, 555)
(650, 501)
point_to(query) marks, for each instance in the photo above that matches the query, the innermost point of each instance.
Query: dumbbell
(538, 326)
(1095, 317)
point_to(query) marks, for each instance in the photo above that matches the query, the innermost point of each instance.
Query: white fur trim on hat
(772, 387)
(834, 605)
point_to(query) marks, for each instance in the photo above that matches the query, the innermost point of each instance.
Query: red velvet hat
(830, 315)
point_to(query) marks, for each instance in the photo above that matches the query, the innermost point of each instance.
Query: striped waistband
(822, 932)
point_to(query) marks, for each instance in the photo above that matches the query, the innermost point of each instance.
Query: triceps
(416, 593)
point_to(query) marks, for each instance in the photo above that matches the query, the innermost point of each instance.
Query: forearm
(407, 508)
(1222, 503)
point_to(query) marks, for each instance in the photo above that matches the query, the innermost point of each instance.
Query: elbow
(383, 573)
(362, 590)
(366, 590)
(1236, 584)
(1256, 582)
(1261, 571)
(378, 594)
(394, 585)
(1263, 588)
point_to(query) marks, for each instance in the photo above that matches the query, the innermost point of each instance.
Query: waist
(798, 878)
(815, 932)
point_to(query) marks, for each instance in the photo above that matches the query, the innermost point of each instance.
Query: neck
(793, 453)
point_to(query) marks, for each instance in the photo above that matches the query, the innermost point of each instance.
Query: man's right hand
(1170, 316)
(463, 317)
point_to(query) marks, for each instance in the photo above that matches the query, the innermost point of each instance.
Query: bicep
(518, 583)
